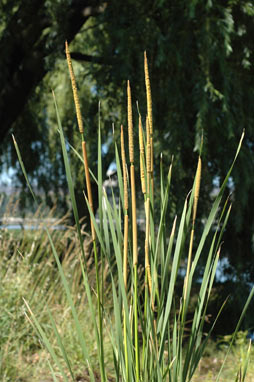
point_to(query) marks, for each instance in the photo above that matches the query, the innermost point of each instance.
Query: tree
(201, 64)
(201, 58)
(32, 36)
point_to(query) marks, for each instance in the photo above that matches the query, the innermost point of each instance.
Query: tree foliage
(201, 56)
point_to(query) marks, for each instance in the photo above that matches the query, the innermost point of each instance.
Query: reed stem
(194, 214)
(125, 247)
(134, 225)
(90, 201)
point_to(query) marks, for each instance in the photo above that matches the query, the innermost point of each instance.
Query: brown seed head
(148, 147)
(74, 89)
(141, 142)
(125, 184)
(197, 188)
(148, 94)
(142, 156)
(130, 123)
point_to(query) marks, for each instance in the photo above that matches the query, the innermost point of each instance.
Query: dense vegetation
(23, 358)
(147, 319)
(201, 61)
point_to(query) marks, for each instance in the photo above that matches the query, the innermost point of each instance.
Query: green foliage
(22, 356)
(201, 59)
(149, 327)
(28, 271)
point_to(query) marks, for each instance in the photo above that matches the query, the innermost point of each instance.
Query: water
(29, 224)
(31, 227)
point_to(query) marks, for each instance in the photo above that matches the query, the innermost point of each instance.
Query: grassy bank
(23, 356)
(28, 271)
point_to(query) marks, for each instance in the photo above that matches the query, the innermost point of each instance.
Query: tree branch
(23, 64)
(93, 59)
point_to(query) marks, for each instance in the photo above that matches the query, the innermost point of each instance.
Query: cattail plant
(147, 207)
(194, 214)
(149, 114)
(81, 130)
(126, 206)
(125, 244)
(159, 353)
(134, 224)
(142, 157)
(90, 200)
(149, 143)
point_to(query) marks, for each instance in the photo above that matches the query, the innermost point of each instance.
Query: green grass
(28, 271)
(138, 331)
(24, 359)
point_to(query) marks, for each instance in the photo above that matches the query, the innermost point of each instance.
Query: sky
(6, 177)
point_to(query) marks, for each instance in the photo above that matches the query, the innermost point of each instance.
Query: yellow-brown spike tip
(197, 188)
(148, 93)
(142, 157)
(148, 147)
(141, 143)
(67, 48)
(125, 183)
(130, 123)
(74, 88)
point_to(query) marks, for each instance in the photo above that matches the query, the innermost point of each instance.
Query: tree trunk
(24, 47)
